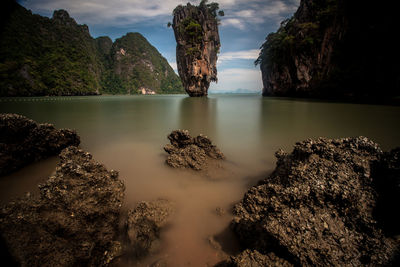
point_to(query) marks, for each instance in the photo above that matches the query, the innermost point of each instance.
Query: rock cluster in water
(190, 152)
(196, 34)
(23, 141)
(322, 206)
(73, 222)
(145, 223)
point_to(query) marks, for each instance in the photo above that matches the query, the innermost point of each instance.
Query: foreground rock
(196, 34)
(249, 258)
(319, 206)
(23, 141)
(74, 221)
(144, 224)
(190, 152)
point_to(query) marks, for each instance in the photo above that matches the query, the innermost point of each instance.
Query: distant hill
(57, 56)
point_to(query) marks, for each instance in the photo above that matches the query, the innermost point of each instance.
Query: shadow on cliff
(198, 115)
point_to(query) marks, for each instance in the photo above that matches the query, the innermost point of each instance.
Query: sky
(242, 31)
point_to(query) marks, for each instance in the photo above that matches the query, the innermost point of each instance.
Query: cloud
(244, 54)
(244, 14)
(239, 13)
(237, 23)
(174, 66)
(105, 12)
(235, 78)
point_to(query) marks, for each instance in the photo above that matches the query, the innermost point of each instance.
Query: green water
(127, 133)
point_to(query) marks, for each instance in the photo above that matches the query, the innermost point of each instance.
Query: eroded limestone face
(196, 34)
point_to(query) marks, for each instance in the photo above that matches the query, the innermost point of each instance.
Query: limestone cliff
(138, 66)
(196, 34)
(334, 49)
(57, 56)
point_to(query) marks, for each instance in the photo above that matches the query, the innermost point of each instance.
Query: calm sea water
(127, 133)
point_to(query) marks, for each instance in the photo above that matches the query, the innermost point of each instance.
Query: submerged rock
(188, 152)
(73, 222)
(319, 205)
(23, 141)
(144, 224)
(196, 34)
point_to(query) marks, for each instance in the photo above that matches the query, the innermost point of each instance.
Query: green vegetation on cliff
(42, 56)
(136, 63)
(333, 48)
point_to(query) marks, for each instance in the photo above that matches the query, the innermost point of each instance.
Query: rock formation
(190, 152)
(144, 224)
(320, 206)
(23, 141)
(253, 258)
(73, 222)
(327, 50)
(196, 34)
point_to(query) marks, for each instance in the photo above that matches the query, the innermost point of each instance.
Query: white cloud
(239, 13)
(235, 78)
(237, 23)
(174, 66)
(116, 12)
(244, 54)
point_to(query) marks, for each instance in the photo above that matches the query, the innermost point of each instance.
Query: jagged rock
(188, 152)
(23, 141)
(73, 222)
(144, 224)
(252, 258)
(317, 207)
(196, 34)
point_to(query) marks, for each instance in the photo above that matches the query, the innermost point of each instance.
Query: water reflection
(198, 115)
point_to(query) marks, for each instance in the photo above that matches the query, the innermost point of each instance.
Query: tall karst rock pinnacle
(196, 34)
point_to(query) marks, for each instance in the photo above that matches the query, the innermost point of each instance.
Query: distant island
(41, 56)
(333, 49)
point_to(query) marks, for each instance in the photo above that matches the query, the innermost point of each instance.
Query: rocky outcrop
(321, 52)
(190, 152)
(73, 222)
(23, 141)
(319, 206)
(145, 223)
(196, 34)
